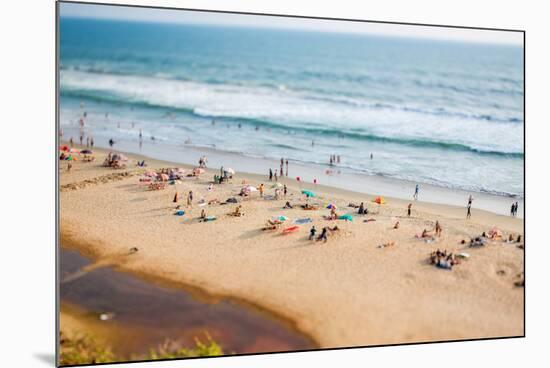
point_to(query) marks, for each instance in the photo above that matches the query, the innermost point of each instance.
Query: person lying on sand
(426, 234)
(287, 205)
(396, 226)
(307, 206)
(334, 229)
(385, 245)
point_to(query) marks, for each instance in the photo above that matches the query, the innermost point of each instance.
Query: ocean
(439, 112)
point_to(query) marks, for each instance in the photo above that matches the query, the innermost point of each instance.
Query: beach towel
(291, 229)
(302, 221)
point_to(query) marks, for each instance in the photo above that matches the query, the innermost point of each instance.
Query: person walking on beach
(409, 209)
(470, 199)
(270, 175)
(111, 142)
(284, 190)
(416, 190)
(286, 162)
(261, 189)
(92, 142)
(516, 209)
(312, 232)
(282, 164)
(275, 175)
(469, 211)
(190, 198)
(512, 209)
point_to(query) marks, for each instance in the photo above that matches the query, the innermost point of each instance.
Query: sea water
(440, 112)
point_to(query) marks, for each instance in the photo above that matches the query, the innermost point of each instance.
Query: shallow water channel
(142, 314)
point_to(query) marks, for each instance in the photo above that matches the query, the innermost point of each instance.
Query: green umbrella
(308, 193)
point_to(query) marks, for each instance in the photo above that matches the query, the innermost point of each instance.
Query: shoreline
(350, 181)
(215, 273)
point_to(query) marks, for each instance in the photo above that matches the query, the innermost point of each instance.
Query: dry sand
(345, 292)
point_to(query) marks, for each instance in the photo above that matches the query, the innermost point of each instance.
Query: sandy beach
(348, 291)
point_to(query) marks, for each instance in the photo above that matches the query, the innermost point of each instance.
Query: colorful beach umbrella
(64, 148)
(379, 200)
(308, 193)
(331, 206)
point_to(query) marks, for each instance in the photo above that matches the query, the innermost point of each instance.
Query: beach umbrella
(308, 193)
(379, 200)
(277, 186)
(331, 206)
(86, 152)
(281, 218)
(346, 217)
(64, 148)
(229, 171)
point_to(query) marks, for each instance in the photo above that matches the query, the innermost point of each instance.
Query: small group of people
(283, 163)
(443, 259)
(203, 161)
(362, 209)
(514, 209)
(324, 233)
(334, 159)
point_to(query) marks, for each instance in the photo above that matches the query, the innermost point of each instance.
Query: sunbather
(396, 226)
(287, 205)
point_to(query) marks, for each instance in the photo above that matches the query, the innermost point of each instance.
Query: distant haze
(196, 17)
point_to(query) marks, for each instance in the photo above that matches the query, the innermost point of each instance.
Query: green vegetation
(85, 350)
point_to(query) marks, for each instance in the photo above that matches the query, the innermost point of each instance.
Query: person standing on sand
(312, 232)
(438, 229)
(190, 198)
(416, 191)
(282, 163)
(270, 175)
(409, 209)
(87, 141)
(261, 189)
(275, 175)
(285, 190)
(69, 166)
(469, 211)
(111, 142)
(286, 162)
(470, 199)
(176, 197)
(81, 138)
(512, 209)
(71, 142)
(92, 142)
(516, 209)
